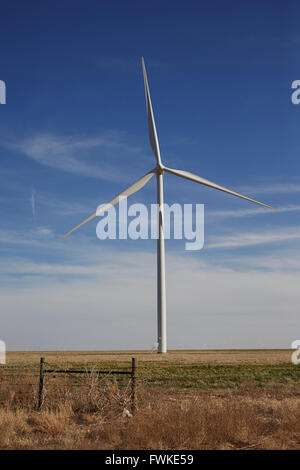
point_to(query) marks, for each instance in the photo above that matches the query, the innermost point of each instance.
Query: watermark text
(138, 222)
(296, 354)
(2, 92)
(2, 352)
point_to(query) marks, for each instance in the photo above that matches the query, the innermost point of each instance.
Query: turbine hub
(159, 169)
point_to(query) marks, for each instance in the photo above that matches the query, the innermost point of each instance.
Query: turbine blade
(199, 179)
(151, 123)
(139, 184)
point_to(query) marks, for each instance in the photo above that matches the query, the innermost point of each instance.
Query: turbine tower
(159, 171)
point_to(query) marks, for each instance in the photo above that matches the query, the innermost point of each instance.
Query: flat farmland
(178, 369)
(226, 356)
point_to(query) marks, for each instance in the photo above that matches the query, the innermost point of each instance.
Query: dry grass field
(186, 400)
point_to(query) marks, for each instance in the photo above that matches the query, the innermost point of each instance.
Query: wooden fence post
(133, 385)
(41, 384)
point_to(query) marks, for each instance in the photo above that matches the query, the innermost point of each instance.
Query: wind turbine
(159, 171)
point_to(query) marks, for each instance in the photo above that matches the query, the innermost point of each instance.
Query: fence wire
(85, 389)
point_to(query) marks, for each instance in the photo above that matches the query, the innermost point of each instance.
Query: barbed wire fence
(46, 386)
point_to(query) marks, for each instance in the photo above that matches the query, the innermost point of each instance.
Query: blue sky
(73, 134)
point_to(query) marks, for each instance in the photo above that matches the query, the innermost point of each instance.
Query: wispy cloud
(253, 211)
(39, 236)
(270, 188)
(243, 239)
(63, 207)
(100, 156)
(288, 261)
(47, 269)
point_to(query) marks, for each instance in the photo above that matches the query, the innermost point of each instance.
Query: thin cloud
(37, 237)
(63, 207)
(253, 212)
(276, 188)
(78, 155)
(286, 261)
(243, 239)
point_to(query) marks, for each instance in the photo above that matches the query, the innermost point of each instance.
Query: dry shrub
(88, 414)
(88, 394)
(18, 392)
(209, 421)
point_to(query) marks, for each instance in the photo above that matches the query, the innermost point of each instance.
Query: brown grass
(256, 407)
(91, 416)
